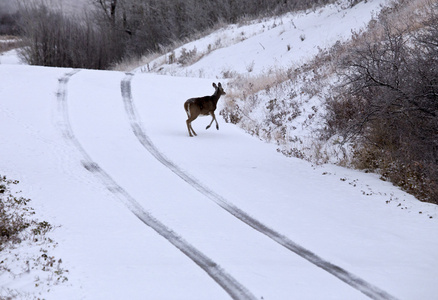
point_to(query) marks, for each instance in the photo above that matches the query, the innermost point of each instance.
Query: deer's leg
(208, 126)
(189, 126)
(190, 118)
(213, 118)
(192, 129)
(217, 124)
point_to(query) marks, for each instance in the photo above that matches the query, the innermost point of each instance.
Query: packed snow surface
(146, 212)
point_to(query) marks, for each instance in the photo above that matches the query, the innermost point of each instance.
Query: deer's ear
(220, 85)
(214, 85)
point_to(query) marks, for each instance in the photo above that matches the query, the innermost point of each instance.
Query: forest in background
(115, 30)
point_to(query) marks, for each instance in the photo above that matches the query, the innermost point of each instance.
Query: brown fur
(203, 106)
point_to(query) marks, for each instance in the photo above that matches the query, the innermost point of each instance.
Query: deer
(203, 106)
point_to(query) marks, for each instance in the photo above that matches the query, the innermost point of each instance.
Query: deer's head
(219, 90)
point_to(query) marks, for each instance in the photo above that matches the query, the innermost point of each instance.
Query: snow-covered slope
(273, 93)
(145, 212)
(262, 46)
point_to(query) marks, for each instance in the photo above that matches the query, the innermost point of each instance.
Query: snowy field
(146, 212)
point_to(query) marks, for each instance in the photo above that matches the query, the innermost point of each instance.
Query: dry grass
(244, 85)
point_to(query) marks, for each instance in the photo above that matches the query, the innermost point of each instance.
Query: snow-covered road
(107, 140)
(342, 274)
(227, 282)
(76, 145)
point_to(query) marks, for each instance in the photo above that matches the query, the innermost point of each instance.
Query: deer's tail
(187, 108)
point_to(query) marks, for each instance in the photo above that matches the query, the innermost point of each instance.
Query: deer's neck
(216, 97)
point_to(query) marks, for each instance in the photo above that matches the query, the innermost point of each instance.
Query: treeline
(51, 38)
(149, 24)
(9, 19)
(118, 29)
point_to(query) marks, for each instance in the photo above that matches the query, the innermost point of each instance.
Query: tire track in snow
(219, 275)
(354, 281)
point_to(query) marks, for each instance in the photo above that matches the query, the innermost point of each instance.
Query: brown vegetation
(19, 232)
(380, 116)
(387, 103)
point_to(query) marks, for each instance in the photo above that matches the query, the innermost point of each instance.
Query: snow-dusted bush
(387, 101)
(188, 57)
(285, 107)
(24, 244)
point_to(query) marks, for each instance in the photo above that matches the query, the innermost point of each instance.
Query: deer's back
(205, 104)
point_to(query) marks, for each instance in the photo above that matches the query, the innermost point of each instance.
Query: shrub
(20, 232)
(387, 102)
(14, 214)
(188, 57)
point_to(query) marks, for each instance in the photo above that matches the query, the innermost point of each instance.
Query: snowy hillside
(268, 96)
(145, 212)
(264, 45)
